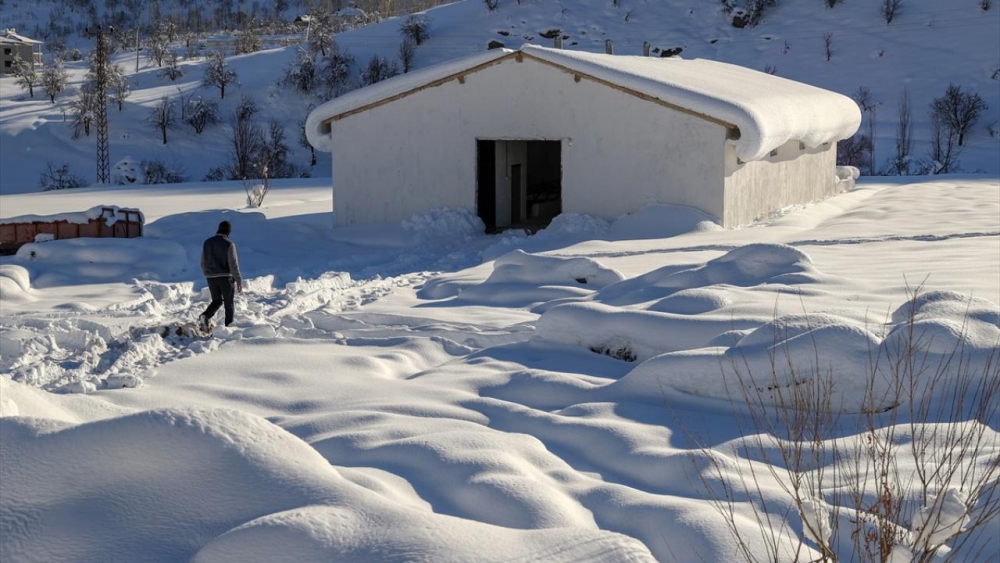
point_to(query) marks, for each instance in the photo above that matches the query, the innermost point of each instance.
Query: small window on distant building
(6, 64)
(6, 51)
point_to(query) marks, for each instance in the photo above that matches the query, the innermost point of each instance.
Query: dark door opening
(519, 183)
(486, 187)
(544, 193)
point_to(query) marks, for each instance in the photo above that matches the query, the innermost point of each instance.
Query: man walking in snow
(222, 270)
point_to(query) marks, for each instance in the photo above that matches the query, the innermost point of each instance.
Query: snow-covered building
(521, 136)
(14, 45)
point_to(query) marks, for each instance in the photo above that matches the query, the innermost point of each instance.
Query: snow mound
(627, 334)
(318, 534)
(231, 486)
(101, 260)
(947, 322)
(692, 301)
(577, 224)
(745, 266)
(521, 279)
(661, 221)
(15, 284)
(949, 338)
(443, 223)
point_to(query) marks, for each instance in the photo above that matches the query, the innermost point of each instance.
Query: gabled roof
(767, 110)
(11, 36)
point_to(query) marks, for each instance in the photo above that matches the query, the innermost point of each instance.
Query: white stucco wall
(794, 175)
(618, 152)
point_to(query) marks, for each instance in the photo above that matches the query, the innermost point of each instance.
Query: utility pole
(101, 80)
(138, 48)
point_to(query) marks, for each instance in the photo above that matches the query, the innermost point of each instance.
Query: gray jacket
(218, 258)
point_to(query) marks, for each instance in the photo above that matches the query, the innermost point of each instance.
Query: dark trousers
(222, 289)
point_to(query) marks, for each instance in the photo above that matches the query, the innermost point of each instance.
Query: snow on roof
(11, 36)
(768, 110)
(113, 215)
(318, 126)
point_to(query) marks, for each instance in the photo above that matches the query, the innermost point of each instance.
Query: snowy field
(423, 392)
(929, 45)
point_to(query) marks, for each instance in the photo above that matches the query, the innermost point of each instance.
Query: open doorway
(519, 183)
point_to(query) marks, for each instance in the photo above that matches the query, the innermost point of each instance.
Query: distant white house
(521, 136)
(13, 45)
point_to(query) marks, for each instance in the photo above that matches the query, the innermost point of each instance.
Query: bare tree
(172, 71)
(831, 3)
(82, 108)
(162, 116)
(321, 35)
(491, 5)
(248, 41)
(828, 44)
(246, 139)
(119, 86)
(218, 74)
(415, 28)
(335, 73)
(199, 113)
(900, 162)
(157, 48)
(25, 75)
(985, 5)
(889, 9)
(407, 50)
(869, 105)
(302, 74)
(958, 110)
(54, 79)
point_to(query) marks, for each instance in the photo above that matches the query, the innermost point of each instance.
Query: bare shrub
(912, 476)
(379, 68)
(415, 28)
(828, 45)
(855, 151)
(407, 50)
(491, 5)
(158, 172)
(59, 178)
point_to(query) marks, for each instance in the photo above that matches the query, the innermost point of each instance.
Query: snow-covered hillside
(927, 47)
(424, 391)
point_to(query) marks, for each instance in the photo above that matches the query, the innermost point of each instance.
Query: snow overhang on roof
(13, 36)
(767, 110)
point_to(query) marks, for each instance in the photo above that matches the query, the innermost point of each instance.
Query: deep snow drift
(422, 391)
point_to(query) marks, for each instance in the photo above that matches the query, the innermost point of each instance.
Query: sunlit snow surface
(425, 392)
